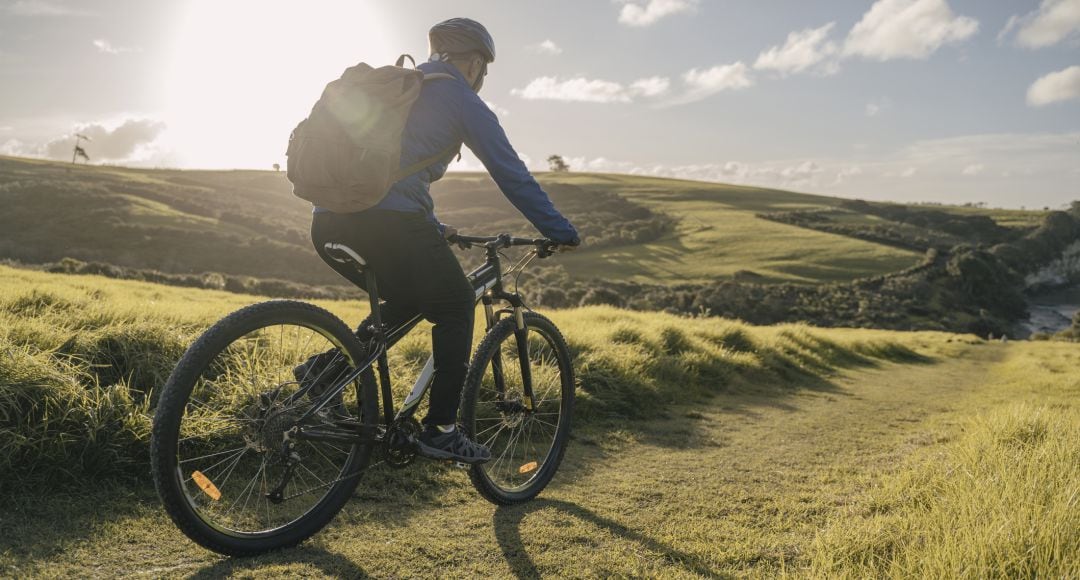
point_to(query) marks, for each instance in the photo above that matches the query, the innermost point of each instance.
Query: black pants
(417, 273)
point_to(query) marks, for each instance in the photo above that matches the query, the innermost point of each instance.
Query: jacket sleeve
(485, 137)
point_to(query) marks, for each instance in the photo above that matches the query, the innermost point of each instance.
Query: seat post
(380, 340)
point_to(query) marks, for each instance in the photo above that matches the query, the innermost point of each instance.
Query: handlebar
(544, 246)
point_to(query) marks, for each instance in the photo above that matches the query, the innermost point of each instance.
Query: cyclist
(406, 246)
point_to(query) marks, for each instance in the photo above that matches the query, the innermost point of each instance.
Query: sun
(243, 73)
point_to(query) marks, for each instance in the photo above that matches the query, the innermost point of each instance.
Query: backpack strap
(448, 153)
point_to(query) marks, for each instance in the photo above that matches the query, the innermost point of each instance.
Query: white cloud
(6, 128)
(42, 8)
(973, 169)
(877, 107)
(585, 90)
(105, 46)
(1042, 165)
(907, 29)
(1062, 85)
(704, 83)
(132, 140)
(846, 173)
(650, 87)
(500, 111)
(638, 13)
(808, 49)
(578, 89)
(548, 46)
(1053, 22)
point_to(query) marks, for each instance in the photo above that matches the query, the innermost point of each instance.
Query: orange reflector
(206, 485)
(530, 466)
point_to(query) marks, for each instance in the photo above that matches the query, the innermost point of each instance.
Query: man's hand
(569, 246)
(449, 231)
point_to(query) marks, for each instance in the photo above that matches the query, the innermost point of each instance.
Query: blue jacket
(448, 112)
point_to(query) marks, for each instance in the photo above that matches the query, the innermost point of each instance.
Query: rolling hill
(640, 229)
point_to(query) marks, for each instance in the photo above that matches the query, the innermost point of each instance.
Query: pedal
(460, 464)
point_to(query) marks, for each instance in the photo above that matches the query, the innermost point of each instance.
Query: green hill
(639, 229)
(701, 447)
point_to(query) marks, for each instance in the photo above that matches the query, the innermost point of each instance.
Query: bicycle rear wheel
(527, 442)
(227, 465)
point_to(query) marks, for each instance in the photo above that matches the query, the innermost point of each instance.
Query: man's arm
(485, 137)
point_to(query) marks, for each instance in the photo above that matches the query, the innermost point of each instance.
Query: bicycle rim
(234, 445)
(524, 440)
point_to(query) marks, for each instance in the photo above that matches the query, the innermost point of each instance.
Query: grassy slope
(183, 221)
(718, 235)
(803, 469)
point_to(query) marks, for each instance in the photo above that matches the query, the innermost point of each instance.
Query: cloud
(1062, 85)
(1052, 22)
(845, 173)
(650, 87)
(912, 29)
(585, 90)
(973, 169)
(548, 46)
(105, 46)
(640, 14)
(1042, 165)
(704, 83)
(877, 107)
(577, 89)
(808, 49)
(500, 111)
(131, 140)
(42, 8)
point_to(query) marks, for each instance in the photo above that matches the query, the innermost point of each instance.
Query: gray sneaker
(454, 446)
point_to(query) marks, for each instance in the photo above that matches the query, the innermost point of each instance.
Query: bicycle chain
(333, 482)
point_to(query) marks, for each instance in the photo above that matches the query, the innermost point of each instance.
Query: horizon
(543, 172)
(940, 101)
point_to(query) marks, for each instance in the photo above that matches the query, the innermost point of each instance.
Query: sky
(954, 101)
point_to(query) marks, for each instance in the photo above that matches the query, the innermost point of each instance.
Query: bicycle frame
(487, 282)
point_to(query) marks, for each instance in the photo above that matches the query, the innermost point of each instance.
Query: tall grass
(1002, 500)
(82, 360)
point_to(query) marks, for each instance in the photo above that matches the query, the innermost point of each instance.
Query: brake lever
(460, 243)
(545, 249)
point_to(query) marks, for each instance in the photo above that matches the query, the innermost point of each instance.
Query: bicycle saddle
(345, 255)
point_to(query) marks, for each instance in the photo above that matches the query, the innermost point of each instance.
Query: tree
(277, 167)
(557, 164)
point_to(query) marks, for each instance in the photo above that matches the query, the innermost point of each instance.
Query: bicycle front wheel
(525, 428)
(229, 462)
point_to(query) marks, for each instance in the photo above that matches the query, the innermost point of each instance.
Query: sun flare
(243, 73)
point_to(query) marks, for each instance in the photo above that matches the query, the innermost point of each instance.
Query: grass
(85, 357)
(1001, 500)
(718, 235)
(248, 223)
(702, 447)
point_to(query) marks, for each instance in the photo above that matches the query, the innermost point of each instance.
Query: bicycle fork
(521, 337)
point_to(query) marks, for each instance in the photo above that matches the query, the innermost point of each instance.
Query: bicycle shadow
(328, 563)
(507, 526)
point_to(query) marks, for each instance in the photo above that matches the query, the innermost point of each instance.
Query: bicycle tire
(492, 344)
(168, 478)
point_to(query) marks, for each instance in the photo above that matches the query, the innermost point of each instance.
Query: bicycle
(249, 457)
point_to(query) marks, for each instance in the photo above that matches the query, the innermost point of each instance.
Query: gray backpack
(347, 153)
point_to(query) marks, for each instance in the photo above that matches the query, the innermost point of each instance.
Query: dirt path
(738, 486)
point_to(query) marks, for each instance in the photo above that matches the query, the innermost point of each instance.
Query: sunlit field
(700, 447)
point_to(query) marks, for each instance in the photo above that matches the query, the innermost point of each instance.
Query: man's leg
(451, 341)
